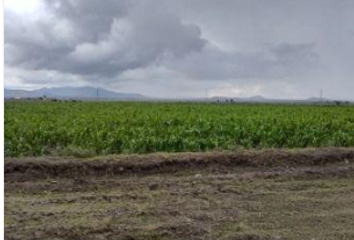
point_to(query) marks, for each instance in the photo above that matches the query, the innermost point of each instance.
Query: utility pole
(321, 95)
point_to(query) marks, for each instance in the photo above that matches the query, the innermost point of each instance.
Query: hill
(72, 93)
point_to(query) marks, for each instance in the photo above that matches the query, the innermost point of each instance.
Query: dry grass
(215, 201)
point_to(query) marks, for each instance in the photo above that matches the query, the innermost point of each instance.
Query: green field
(99, 128)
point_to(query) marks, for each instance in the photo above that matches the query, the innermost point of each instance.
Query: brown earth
(272, 194)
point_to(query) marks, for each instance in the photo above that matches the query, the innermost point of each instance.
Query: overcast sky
(179, 48)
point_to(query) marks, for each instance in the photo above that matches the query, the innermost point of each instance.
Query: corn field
(100, 128)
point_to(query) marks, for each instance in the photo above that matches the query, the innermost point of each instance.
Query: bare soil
(271, 194)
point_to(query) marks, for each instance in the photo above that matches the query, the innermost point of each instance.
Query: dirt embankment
(261, 195)
(168, 163)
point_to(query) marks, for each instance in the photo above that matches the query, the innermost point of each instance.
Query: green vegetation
(98, 128)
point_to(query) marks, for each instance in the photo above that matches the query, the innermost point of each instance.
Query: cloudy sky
(179, 48)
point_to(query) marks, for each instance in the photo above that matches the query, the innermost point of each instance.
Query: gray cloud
(84, 37)
(133, 45)
(278, 61)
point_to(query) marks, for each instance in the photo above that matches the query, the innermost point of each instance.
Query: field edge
(174, 162)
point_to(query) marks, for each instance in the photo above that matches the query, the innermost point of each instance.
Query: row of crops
(41, 128)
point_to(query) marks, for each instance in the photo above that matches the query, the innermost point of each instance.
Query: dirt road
(277, 194)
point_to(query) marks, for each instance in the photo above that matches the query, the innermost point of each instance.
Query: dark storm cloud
(245, 44)
(84, 37)
(94, 39)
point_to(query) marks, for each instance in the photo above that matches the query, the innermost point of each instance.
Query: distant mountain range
(262, 99)
(72, 93)
(91, 93)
